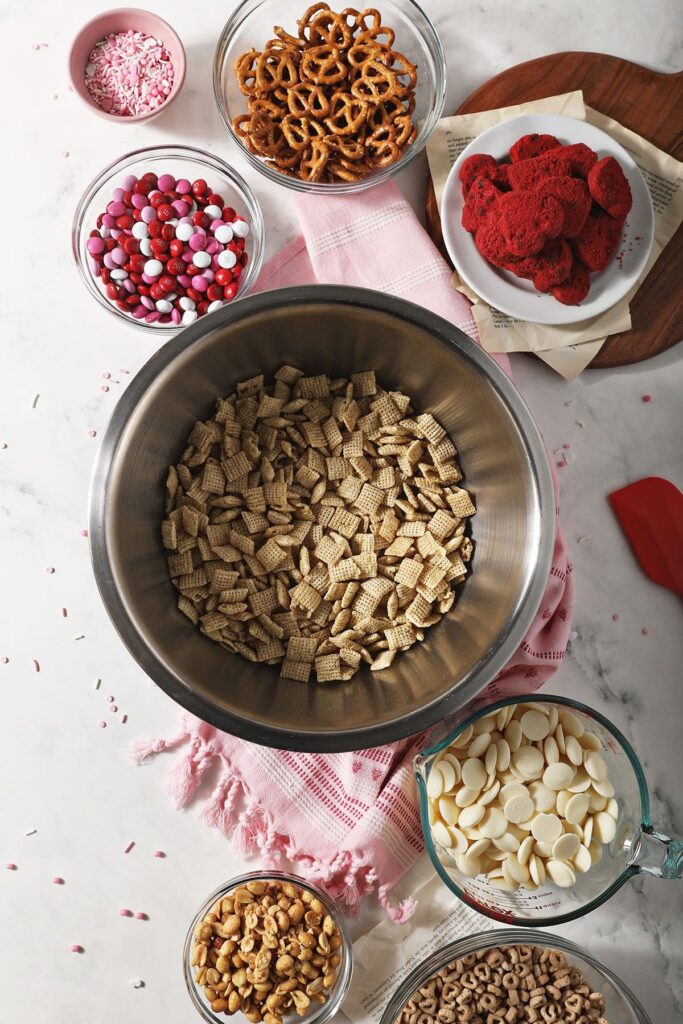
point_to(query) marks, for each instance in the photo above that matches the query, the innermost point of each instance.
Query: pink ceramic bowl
(120, 20)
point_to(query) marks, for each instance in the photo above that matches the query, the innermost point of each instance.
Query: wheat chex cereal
(316, 524)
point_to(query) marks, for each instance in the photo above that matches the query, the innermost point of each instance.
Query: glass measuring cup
(637, 846)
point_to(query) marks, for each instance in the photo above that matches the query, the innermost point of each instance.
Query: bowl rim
(210, 161)
(491, 661)
(432, 42)
(178, 73)
(327, 1009)
(500, 937)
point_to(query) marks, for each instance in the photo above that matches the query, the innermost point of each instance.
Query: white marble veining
(69, 779)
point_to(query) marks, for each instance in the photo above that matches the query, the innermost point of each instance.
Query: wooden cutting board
(647, 102)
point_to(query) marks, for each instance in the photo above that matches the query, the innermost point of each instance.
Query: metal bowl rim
(350, 738)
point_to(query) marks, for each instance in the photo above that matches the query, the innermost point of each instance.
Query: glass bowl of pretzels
(327, 101)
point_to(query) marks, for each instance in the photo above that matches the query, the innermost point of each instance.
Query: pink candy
(129, 73)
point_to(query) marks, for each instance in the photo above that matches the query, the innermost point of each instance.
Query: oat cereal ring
(381, 146)
(347, 114)
(323, 65)
(308, 100)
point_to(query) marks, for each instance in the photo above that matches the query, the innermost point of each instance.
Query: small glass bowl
(182, 162)
(251, 26)
(621, 1006)
(323, 1012)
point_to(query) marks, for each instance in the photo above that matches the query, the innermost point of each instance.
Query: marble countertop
(69, 783)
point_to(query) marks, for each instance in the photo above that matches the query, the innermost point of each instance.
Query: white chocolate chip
(535, 725)
(546, 828)
(560, 873)
(558, 776)
(474, 773)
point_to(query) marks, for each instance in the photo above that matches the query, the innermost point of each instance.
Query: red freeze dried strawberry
(527, 174)
(574, 288)
(489, 241)
(479, 165)
(481, 198)
(581, 158)
(530, 146)
(597, 241)
(609, 187)
(528, 220)
(548, 267)
(573, 195)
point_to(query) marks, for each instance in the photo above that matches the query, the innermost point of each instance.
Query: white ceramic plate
(518, 297)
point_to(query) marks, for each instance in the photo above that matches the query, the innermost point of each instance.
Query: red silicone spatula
(650, 512)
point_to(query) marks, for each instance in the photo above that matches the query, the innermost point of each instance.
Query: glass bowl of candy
(329, 100)
(537, 811)
(167, 234)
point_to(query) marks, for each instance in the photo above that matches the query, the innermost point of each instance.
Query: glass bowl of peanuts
(269, 947)
(498, 975)
(326, 99)
(537, 811)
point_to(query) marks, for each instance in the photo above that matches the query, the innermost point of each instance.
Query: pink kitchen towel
(350, 821)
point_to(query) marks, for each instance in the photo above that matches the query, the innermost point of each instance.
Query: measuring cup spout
(659, 855)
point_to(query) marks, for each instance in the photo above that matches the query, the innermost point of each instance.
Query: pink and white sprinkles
(168, 250)
(129, 73)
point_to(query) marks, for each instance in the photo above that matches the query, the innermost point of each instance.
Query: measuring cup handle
(659, 855)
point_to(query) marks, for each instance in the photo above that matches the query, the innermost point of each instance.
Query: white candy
(184, 231)
(449, 810)
(518, 808)
(448, 772)
(119, 274)
(558, 776)
(546, 828)
(186, 303)
(560, 873)
(577, 808)
(441, 834)
(153, 268)
(223, 234)
(471, 816)
(140, 229)
(145, 247)
(216, 304)
(474, 773)
(189, 317)
(164, 306)
(240, 228)
(534, 725)
(435, 783)
(227, 259)
(213, 211)
(201, 259)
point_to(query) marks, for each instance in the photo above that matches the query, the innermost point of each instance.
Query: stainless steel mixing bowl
(336, 331)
